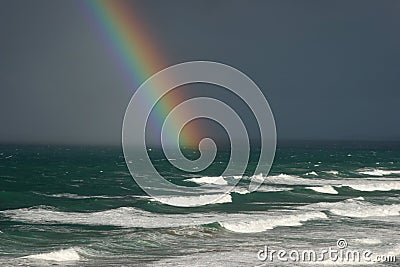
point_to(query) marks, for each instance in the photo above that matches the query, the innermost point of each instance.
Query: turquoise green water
(79, 206)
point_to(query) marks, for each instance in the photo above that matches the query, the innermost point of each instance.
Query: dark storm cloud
(330, 69)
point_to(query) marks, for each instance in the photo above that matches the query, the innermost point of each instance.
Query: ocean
(79, 206)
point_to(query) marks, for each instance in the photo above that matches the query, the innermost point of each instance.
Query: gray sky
(329, 69)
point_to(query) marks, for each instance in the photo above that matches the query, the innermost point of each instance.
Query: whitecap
(332, 172)
(360, 184)
(121, 217)
(75, 196)
(355, 208)
(241, 191)
(132, 217)
(192, 201)
(368, 241)
(378, 172)
(270, 222)
(290, 180)
(267, 188)
(62, 255)
(373, 185)
(215, 180)
(326, 189)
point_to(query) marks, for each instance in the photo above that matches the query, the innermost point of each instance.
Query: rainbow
(136, 54)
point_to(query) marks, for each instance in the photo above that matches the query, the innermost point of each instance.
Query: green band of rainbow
(135, 51)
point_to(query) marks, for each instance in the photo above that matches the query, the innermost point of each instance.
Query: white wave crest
(192, 201)
(131, 217)
(291, 180)
(332, 172)
(378, 172)
(70, 254)
(240, 190)
(270, 222)
(121, 217)
(75, 196)
(356, 208)
(326, 189)
(279, 179)
(273, 189)
(368, 241)
(373, 185)
(216, 180)
(263, 189)
(360, 184)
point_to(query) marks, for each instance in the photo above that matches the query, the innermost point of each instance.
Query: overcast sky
(329, 69)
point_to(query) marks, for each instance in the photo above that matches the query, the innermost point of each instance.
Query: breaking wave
(326, 185)
(121, 217)
(216, 180)
(373, 185)
(62, 255)
(270, 222)
(326, 189)
(131, 217)
(192, 201)
(378, 172)
(356, 208)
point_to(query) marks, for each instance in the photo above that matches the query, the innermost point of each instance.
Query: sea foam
(121, 217)
(373, 185)
(132, 217)
(325, 185)
(355, 208)
(368, 241)
(270, 222)
(291, 180)
(216, 180)
(332, 172)
(70, 254)
(326, 189)
(192, 201)
(378, 172)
